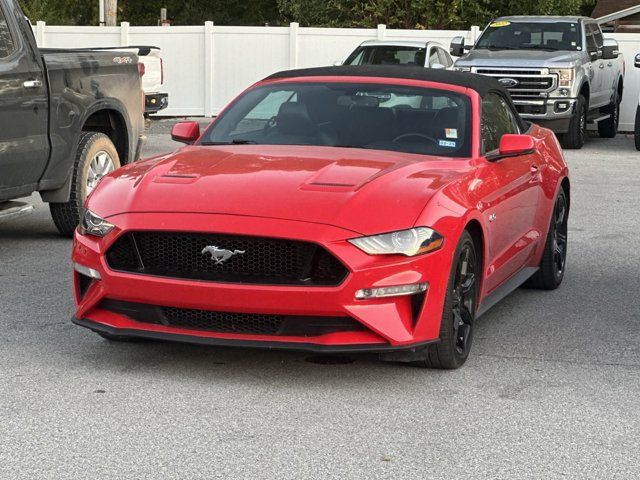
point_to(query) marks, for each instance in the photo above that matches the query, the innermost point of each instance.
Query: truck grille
(532, 84)
(232, 322)
(267, 261)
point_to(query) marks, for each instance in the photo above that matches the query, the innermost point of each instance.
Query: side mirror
(610, 49)
(185, 132)
(636, 61)
(512, 145)
(456, 48)
(438, 66)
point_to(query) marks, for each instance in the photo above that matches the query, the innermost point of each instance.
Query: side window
(444, 58)
(591, 41)
(7, 45)
(433, 57)
(496, 120)
(597, 35)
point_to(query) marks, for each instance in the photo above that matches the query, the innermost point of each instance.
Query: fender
(62, 193)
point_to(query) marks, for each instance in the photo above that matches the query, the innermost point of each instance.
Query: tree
(61, 12)
(433, 14)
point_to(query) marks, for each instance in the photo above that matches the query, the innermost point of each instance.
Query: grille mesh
(264, 261)
(231, 322)
(223, 322)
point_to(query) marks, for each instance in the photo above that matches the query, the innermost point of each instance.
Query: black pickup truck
(67, 117)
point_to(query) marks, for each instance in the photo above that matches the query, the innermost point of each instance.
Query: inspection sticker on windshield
(502, 23)
(451, 132)
(447, 143)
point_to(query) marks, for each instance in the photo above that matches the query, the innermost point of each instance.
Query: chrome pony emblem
(220, 255)
(509, 82)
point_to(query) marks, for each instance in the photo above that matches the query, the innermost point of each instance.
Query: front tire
(574, 138)
(609, 128)
(461, 300)
(554, 258)
(96, 157)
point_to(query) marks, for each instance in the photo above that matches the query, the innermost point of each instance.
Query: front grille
(268, 261)
(532, 84)
(231, 322)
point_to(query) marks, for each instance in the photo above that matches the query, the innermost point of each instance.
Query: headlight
(404, 242)
(92, 224)
(565, 76)
(462, 69)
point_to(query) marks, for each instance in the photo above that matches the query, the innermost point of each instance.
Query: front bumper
(552, 113)
(393, 323)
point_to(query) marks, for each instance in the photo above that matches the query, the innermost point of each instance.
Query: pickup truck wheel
(574, 138)
(637, 129)
(609, 128)
(96, 157)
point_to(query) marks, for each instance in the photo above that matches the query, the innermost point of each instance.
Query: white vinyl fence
(206, 66)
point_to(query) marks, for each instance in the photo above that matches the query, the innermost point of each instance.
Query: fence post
(382, 28)
(208, 69)
(124, 34)
(475, 33)
(293, 44)
(40, 25)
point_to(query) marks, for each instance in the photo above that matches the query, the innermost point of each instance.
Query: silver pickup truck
(561, 72)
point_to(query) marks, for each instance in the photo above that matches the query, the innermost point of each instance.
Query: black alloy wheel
(459, 312)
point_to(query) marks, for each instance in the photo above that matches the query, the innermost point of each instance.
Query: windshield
(505, 35)
(387, 55)
(369, 116)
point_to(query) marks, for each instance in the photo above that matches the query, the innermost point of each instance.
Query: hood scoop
(346, 175)
(176, 178)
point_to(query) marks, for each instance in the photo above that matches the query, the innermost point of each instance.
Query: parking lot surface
(551, 390)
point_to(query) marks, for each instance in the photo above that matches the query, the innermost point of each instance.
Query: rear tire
(91, 148)
(637, 128)
(458, 316)
(574, 138)
(609, 128)
(554, 257)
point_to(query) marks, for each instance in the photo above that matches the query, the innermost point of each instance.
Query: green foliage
(195, 12)
(409, 14)
(433, 14)
(62, 12)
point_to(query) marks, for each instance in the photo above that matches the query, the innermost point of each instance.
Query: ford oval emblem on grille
(509, 82)
(220, 255)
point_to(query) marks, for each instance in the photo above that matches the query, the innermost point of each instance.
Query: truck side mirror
(610, 49)
(456, 48)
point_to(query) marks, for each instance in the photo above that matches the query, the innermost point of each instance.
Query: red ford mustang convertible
(342, 209)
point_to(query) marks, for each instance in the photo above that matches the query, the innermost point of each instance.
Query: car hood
(519, 58)
(365, 191)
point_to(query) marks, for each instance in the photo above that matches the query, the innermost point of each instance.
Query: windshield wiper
(237, 141)
(540, 47)
(499, 47)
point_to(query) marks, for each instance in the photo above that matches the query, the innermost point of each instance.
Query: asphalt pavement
(551, 390)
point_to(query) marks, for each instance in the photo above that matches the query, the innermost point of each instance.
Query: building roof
(608, 7)
(479, 83)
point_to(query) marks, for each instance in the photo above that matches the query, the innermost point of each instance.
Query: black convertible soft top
(479, 83)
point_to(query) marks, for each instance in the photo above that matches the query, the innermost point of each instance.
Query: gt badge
(220, 255)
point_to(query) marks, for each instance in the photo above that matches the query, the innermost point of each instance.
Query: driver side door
(511, 189)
